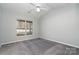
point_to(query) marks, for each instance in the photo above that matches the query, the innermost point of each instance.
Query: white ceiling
(30, 8)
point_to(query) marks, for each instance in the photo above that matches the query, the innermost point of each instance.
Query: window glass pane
(21, 28)
(29, 27)
(21, 24)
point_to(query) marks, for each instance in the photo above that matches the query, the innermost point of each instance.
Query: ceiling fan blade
(35, 4)
(32, 4)
(44, 9)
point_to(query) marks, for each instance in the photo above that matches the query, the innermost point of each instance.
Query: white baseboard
(59, 42)
(16, 41)
(40, 37)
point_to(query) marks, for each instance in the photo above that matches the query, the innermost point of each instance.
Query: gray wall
(0, 24)
(61, 25)
(8, 25)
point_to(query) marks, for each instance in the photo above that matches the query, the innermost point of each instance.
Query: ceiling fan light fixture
(38, 9)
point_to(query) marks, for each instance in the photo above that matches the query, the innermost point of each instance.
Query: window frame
(30, 26)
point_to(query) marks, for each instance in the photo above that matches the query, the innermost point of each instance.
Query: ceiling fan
(38, 7)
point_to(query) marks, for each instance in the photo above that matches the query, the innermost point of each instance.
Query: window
(24, 27)
(29, 27)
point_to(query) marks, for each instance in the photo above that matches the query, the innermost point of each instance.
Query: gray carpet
(38, 47)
